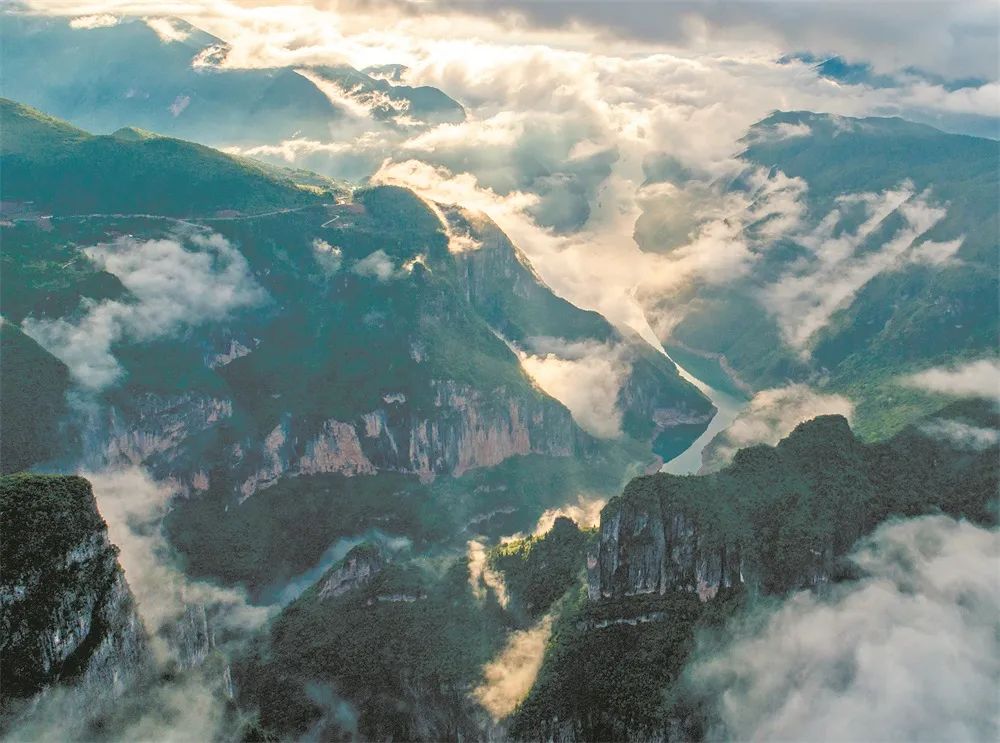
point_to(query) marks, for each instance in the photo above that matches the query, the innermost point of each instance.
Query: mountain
(305, 360)
(67, 613)
(389, 643)
(164, 75)
(679, 556)
(54, 168)
(888, 267)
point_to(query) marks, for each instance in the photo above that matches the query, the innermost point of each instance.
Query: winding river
(729, 406)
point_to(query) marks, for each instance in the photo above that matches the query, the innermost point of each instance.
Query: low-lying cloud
(586, 377)
(174, 283)
(908, 652)
(962, 435)
(973, 379)
(841, 263)
(482, 578)
(133, 505)
(508, 678)
(586, 512)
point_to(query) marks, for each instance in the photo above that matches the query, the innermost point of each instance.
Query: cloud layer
(508, 678)
(909, 652)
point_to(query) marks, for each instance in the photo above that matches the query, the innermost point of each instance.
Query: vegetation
(538, 570)
(43, 519)
(404, 650)
(63, 170)
(903, 320)
(32, 401)
(614, 667)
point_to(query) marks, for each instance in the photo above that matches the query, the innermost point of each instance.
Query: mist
(908, 652)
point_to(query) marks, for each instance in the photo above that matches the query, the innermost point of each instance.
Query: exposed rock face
(154, 428)
(464, 430)
(655, 550)
(66, 611)
(357, 568)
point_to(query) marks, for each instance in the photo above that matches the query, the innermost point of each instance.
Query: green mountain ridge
(909, 315)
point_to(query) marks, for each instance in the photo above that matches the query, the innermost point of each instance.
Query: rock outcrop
(66, 611)
(780, 518)
(656, 550)
(357, 569)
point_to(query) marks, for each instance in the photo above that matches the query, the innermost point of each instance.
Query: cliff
(66, 611)
(462, 429)
(779, 518)
(679, 557)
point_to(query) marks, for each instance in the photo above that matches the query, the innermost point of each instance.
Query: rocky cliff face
(66, 611)
(780, 518)
(465, 429)
(653, 550)
(357, 568)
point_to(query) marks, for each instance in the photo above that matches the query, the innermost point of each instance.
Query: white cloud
(586, 512)
(482, 578)
(962, 435)
(133, 505)
(377, 265)
(804, 300)
(936, 253)
(172, 287)
(508, 678)
(180, 103)
(770, 416)
(973, 379)
(103, 20)
(586, 377)
(908, 652)
(167, 30)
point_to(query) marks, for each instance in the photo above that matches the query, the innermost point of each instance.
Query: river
(729, 406)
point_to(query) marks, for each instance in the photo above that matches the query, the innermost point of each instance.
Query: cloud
(171, 287)
(842, 260)
(103, 20)
(909, 652)
(973, 379)
(481, 577)
(508, 678)
(586, 512)
(328, 257)
(377, 265)
(133, 505)
(167, 30)
(770, 416)
(586, 377)
(182, 697)
(962, 435)
(180, 103)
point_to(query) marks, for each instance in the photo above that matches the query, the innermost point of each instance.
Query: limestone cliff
(357, 568)
(464, 429)
(66, 611)
(780, 518)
